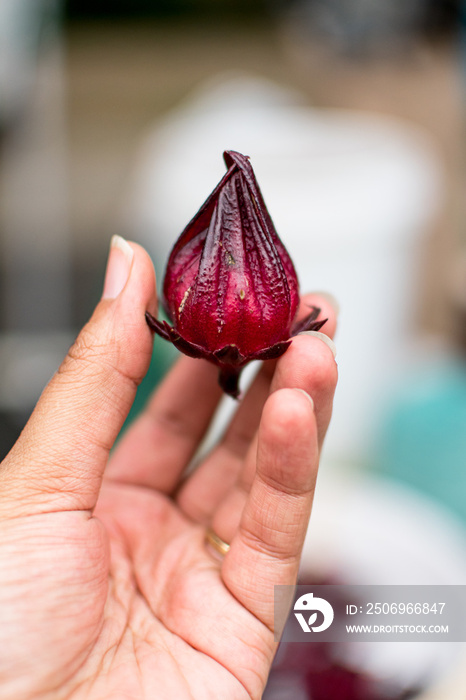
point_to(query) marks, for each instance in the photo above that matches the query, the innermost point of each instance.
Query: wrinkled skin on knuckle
(95, 357)
(90, 351)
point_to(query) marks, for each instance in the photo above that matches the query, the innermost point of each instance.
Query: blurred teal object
(422, 441)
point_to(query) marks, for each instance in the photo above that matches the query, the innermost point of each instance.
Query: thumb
(59, 460)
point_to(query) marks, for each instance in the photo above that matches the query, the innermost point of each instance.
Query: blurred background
(113, 119)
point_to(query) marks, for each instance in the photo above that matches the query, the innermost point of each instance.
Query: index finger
(158, 446)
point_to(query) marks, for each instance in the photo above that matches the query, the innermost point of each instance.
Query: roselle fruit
(230, 288)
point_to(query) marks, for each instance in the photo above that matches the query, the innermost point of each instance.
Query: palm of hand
(125, 605)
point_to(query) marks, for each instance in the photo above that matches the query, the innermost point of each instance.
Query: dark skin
(107, 587)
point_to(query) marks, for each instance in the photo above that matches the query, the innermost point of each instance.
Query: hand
(107, 588)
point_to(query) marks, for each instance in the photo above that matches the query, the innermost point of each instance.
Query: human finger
(156, 449)
(59, 460)
(203, 491)
(266, 549)
(310, 366)
(222, 481)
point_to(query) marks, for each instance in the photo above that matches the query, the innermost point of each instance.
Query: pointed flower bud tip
(230, 288)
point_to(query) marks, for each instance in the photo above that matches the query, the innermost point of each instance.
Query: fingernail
(119, 264)
(308, 396)
(324, 338)
(331, 300)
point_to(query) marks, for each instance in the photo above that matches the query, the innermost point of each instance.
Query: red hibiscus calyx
(230, 289)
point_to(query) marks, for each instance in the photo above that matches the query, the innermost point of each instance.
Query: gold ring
(216, 543)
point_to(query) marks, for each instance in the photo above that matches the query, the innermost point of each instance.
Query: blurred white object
(373, 531)
(351, 195)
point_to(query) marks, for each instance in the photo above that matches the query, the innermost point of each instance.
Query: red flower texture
(230, 288)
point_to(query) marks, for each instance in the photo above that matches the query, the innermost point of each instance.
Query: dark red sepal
(168, 333)
(309, 322)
